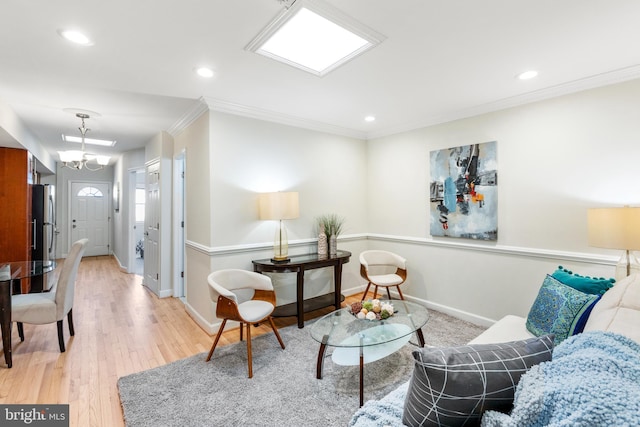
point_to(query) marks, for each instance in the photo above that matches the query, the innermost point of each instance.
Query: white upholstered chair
(49, 307)
(243, 296)
(384, 269)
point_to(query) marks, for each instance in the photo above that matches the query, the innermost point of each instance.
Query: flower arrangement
(372, 310)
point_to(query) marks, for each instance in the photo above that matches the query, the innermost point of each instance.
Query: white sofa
(617, 311)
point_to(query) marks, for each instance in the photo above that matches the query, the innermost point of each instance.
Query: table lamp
(279, 206)
(616, 228)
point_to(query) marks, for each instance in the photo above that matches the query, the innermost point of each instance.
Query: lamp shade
(614, 228)
(279, 205)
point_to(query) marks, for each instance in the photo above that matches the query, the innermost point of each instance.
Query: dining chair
(49, 307)
(384, 269)
(246, 297)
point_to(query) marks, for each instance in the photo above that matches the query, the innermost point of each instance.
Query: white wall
(122, 222)
(246, 157)
(556, 158)
(64, 177)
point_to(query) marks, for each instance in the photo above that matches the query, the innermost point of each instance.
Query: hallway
(121, 328)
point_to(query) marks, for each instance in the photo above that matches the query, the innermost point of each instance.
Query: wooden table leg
(361, 372)
(337, 280)
(320, 364)
(420, 337)
(300, 297)
(5, 319)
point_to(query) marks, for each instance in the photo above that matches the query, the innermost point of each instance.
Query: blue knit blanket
(593, 380)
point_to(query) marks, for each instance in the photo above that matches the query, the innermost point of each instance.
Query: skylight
(93, 141)
(314, 37)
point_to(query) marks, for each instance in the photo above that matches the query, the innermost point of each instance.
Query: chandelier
(78, 159)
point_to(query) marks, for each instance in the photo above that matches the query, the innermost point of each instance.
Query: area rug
(284, 390)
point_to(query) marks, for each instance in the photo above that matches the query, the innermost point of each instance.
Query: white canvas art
(464, 192)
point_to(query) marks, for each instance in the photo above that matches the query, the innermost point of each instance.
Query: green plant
(332, 224)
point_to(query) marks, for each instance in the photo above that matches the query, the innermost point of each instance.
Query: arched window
(90, 192)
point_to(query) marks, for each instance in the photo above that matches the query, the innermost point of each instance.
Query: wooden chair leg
(60, 336)
(375, 292)
(388, 293)
(400, 292)
(215, 342)
(275, 331)
(72, 332)
(241, 326)
(249, 351)
(365, 292)
(21, 331)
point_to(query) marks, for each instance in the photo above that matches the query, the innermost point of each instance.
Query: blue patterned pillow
(558, 309)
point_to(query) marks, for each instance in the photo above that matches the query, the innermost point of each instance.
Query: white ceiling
(440, 60)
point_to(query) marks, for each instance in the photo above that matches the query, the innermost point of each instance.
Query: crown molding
(285, 119)
(207, 103)
(198, 108)
(591, 82)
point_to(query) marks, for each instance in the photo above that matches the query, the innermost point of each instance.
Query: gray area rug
(284, 390)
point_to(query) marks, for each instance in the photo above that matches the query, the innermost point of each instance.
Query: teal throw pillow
(589, 285)
(558, 309)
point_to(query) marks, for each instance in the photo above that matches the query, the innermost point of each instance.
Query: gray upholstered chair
(49, 307)
(243, 296)
(384, 269)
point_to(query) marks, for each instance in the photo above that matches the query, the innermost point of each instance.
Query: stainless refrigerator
(44, 229)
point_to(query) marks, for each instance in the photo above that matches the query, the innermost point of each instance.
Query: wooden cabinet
(16, 178)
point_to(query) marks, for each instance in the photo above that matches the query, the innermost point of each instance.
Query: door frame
(179, 224)
(131, 238)
(70, 197)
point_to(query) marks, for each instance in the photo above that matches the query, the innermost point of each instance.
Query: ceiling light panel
(93, 141)
(315, 37)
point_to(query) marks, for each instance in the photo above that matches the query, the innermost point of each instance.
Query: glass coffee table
(360, 341)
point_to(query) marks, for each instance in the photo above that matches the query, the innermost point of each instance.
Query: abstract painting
(464, 192)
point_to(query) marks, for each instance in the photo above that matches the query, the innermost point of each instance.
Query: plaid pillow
(454, 386)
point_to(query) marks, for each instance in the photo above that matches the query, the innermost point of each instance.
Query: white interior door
(90, 216)
(152, 228)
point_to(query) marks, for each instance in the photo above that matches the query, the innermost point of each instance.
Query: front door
(90, 216)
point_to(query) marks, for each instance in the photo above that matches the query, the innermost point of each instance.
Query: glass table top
(24, 269)
(342, 329)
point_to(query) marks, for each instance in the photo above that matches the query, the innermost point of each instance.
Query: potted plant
(333, 225)
(140, 248)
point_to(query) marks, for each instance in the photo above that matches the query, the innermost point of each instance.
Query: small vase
(333, 245)
(323, 248)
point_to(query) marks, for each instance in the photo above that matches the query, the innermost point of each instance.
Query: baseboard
(459, 314)
(210, 328)
(165, 293)
(454, 312)
(122, 268)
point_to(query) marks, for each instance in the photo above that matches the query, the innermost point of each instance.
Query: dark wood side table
(299, 264)
(18, 270)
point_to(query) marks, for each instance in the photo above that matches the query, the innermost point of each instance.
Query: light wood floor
(120, 328)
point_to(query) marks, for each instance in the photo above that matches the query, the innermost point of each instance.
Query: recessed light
(370, 119)
(75, 37)
(527, 75)
(204, 72)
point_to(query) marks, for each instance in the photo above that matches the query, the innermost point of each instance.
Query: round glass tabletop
(342, 329)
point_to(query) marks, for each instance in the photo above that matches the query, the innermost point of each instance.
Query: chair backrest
(5, 272)
(375, 258)
(237, 285)
(65, 287)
